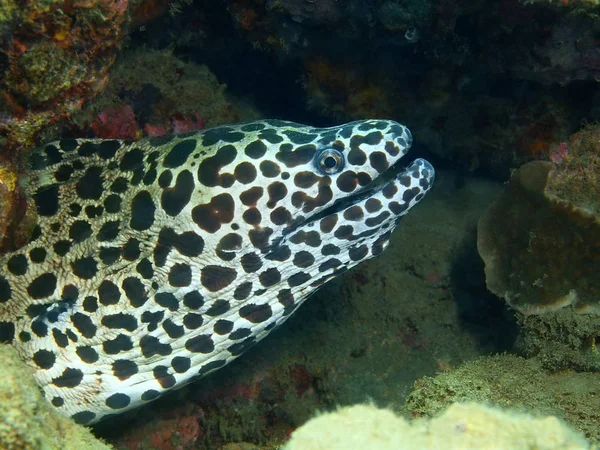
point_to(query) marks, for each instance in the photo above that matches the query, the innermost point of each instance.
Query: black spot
(193, 300)
(179, 153)
(240, 333)
(63, 173)
(180, 275)
(252, 216)
(269, 277)
(298, 278)
(60, 338)
(354, 213)
(89, 185)
(7, 333)
(165, 179)
(144, 268)
(251, 196)
(120, 320)
(109, 231)
(301, 155)
(112, 204)
(142, 211)
(61, 248)
(109, 255)
(187, 243)
(131, 249)
(90, 304)
(260, 238)
(118, 401)
(192, 321)
(83, 417)
(241, 347)
(271, 135)
(135, 291)
(218, 308)
(167, 300)
(245, 172)
(161, 374)
(181, 364)
(152, 319)
(87, 354)
(173, 331)
(174, 199)
(344, 232)
(84, 324)
(277, 191)
(255, 149)
(58, 402)
(44, 359)
(124, 369)
(121, 343)
(210, 216)
(68, 144)
(225, 134)
(269, 169)
(242, 291)
(108, 293)
(37, 255)
(303, 259)
(85, 268)
(46, 200)
(331, 263)
(151, 346)
(17, 265)
(43, 286)
(281, 253)
(149, 395)
(215, 278)
(256, 313)
(252, 126)
(70, 378)
(80, 230)
(119, 185)
(209, 168)
(200, 344)
(251, 262)
(280, 216)
(132, 160)
(223, 327)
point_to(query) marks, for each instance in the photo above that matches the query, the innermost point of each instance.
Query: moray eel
(156, 262)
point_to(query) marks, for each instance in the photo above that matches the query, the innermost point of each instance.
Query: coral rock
(467, 425)
(540, 240)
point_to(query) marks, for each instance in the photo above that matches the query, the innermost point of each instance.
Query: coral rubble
(513, 382)
(462, 425)
(27, 421)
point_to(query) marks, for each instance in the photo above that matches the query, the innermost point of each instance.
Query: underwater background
(490, 290)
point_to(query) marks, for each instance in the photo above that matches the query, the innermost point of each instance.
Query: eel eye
(330, 161)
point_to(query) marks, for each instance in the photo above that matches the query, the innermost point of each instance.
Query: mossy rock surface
(513, 382)
(28, 422)
(540, 241)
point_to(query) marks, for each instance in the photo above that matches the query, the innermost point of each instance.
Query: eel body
(156, 262)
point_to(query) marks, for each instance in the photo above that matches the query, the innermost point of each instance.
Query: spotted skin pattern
(159, 261)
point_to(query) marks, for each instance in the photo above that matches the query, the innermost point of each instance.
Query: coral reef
(466, 425)
(154, 92)
(58, 56)
(514, 382)
(28, 421)
(540, 240)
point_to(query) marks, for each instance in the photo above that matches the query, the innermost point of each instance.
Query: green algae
(467, 425)
(46, 71)
(576, 179)
(28, 421)
(515, 382)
